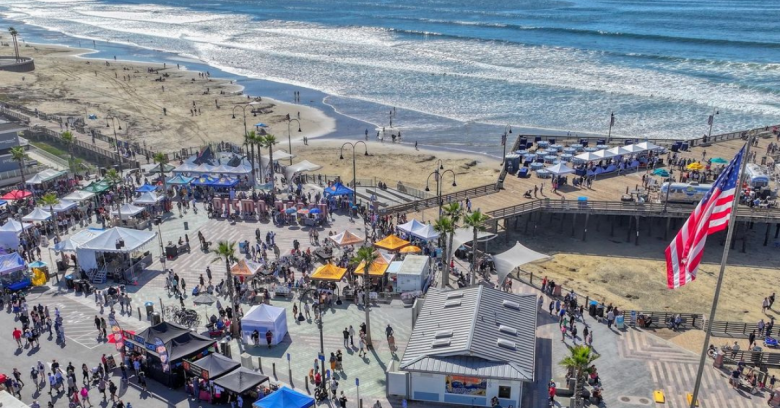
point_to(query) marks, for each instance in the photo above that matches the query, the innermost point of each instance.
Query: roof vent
(443, 333)
(453, 295)
(506, 344)
(512, 305)
(507, 330)
(452, 303)
(442, 343)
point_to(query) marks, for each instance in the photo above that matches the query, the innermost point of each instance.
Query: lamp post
(710, 121)
(319, 326)
(354, 167)
(164, 256)
(289, 139)
(438, 175)
(504, 137)
(115, 122)
(246, 134)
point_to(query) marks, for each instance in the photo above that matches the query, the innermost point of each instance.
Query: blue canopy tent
(285, 398)
(209, 181)
(146, 188)
(337, 189)
(12, 272)
(179, 180)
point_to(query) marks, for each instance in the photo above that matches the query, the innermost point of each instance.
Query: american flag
(711, 215)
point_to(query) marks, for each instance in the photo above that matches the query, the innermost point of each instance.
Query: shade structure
(719, 160)
(329, 272)
(16, 195)
(179, 341)
(204, 299)
(145, 188)
(409, 226)
(648, 146)
(619, 151)
(264, 318)
(131, 240)
(215, 365)
(179, 180)
(240, 380)
(245, 268)
(261, 124)
(128, 211)
(186, 168)
(588, 156)
(506, 262)
(97, 187)
(148, 198)
(209, 181)
(280, 155)
(560, 169)
(14, 226)
(76, 240)
(378, 267)
(465, 235)
(695, 166)
(79, 196)
(64, 205)
(633, 148)
(337, 189)
(301, 167)
(661, 172)
(346, 238)
(603, 154)
(10, 263)
(392, 243)
(285, 398)
(37, 215)
(426, 232)
(290, 210)
(410, 249)
(44, 176)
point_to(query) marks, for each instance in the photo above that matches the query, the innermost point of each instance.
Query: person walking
(112, 389)
(269, 337)
(765, 305)
(102, 387)
(142, 380)
(751, 339)
(346, 337)
(362, 343)
(17, 334)
(334, 387)
(85, 395)
(351, 336)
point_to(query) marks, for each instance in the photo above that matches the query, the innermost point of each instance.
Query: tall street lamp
(438, 176)
(289, 140)
(246, 135)
(115, 122)
(710, 121)
(319, 326)
(504, 137)
(354, 168)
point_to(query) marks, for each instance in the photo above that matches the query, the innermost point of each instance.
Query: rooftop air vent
(443, 333)
(512, 305)
(506, 344)
(453, 295)
(442, 343)
(507, 330)
(452, 303)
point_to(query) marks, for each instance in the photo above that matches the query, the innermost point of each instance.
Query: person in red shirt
(18, 336)
(552, 393)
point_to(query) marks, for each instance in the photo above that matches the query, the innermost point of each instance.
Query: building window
(504, 391)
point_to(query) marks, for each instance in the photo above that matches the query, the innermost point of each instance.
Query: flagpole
(729, 235)
(611, 123)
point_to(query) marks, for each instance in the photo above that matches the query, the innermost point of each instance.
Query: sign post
(357, 384)
(289, 370)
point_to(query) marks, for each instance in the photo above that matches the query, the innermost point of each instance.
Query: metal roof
(477, 346)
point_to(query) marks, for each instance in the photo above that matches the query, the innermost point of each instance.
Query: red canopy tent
(16, 195)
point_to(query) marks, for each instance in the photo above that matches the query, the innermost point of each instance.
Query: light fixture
(120, 127)
(341, 157)
(299, 129)
(454, 184)
(366, 153)
(426, 188)
(441, 167)
(107, 125)
(510, 130)
(234, 116)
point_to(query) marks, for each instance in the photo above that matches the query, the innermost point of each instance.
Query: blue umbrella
(261, 124)
(290, 210)
(315, 211)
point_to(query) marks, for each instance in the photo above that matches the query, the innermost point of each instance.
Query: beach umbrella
(695, 166)
(410, 249)
(290, 210)
(303, 211)
(261, 124)
(204, 299)
(315, 211)
(719, 160)
(661, 172)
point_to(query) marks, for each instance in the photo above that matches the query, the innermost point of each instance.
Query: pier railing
(420, 205)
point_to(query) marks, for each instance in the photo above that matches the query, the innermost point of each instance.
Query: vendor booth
(145, 188)
(392, 243)
(76, 240)
(241, 381)
(329, 272)
(117, 252)
(79, 196)
(14, 195)
(346, 238)
(425, 233)
(410, 226)
(128, 211)
(9, 233)
(166, 346)
(45, 176)
(148, 198)
(37, 215)
(13, 272)
(245, 268)
(64, 206)
(131, 216)
(179, 180)
(285, 398)
(296, 168)
(337, 189)
(210, 367)
(263, 318)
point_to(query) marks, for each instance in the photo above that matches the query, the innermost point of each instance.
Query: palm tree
(67, 138)
(455, 212)
(476, 221)
(113, 176)
(14, 33)
(580, 361)
(252, 140)
(366, 255)
(19, 155)
(446, 227)
(162, 158)
(226, 251)
(50, 200)
(78, 164)
(269, 141)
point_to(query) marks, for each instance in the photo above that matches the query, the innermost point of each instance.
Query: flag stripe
(711, 215)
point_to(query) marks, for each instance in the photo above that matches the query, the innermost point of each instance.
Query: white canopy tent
(634, 148)
(37, 215)
(649, 146)
(507, 261)
(148, 198)
(263, 318)
(465, 235)
(119, 240)
(588, 156)
(604, 154)
(79, 196)
(619, 151)
(560, 169)
(410, 226)
(426, 232)
(44, 176)
(128, 211)
(15, 226)
(9, 233)
(77, 240)
(305, 165)
(64, 205)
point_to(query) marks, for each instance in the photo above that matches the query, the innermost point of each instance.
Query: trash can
(69, 282)
(149, 310)
(718, 360)
(156, 319)
(186, 225)
(224, 347)
(600, 311)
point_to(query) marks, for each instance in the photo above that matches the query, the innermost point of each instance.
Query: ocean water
(458, 71)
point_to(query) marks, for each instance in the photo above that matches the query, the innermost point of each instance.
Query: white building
(468, 346)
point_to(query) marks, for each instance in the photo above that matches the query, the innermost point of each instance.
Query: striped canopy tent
(378, 267)
(392, 243)
(329, 272)
(346, 238)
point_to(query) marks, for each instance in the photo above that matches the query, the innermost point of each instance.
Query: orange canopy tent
(410, 249)
(392, 243)
(244, 268)
(346, 238)
(16, 195)
(329, 272)
(378, 267)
